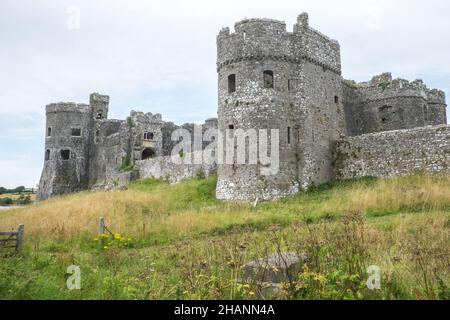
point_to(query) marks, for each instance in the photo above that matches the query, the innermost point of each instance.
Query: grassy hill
(178, 242)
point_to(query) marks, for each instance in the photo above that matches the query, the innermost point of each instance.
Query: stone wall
(394, 153)
(166, 168)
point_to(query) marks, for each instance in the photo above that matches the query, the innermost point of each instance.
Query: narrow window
(231, 126)
(386, 113)
(268, 79)
(245, 35)
(289, 135)
(97, 134)
(99, 116)
(65, 154)
(76, 132)
(425, 113)
(231, 83)
(289, 85)
(47, 155)
(336, 99)
(49, 132)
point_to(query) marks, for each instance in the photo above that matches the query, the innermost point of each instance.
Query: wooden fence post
(20, 238)
(101, 229)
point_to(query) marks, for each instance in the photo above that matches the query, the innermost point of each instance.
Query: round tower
(287, 84)
(66, 149)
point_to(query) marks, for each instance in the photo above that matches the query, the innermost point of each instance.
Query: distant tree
(3, 190)
(19, 189)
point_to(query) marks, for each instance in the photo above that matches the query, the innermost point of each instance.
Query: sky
(159, 56)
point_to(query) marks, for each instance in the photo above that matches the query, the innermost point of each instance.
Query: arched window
(47, 155)
(49, 132)
(99, 115)
(231, 83)
(268, 79)
(149, 136)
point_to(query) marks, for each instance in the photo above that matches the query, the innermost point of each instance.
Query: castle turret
(66, 149)
(285, 81)
(99, 106)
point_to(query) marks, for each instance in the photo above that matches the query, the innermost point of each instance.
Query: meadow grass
(185, 244)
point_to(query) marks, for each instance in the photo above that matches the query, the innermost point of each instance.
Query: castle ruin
(268, 78)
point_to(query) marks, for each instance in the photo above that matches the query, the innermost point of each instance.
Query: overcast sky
(159, 56)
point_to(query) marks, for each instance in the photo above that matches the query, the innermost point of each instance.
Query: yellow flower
(95, 239)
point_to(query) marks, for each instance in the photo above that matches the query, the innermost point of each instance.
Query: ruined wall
(394, 153)
(384, 104)
(165, 168)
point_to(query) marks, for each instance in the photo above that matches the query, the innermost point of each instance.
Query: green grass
(185, 244)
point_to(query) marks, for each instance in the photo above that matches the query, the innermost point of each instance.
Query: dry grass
(79, 213)
(16, 196)
(189, 208)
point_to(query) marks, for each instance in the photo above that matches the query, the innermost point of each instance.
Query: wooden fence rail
(12, 239)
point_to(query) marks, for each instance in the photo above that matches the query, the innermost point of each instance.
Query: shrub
(6, 201)
(24, 199)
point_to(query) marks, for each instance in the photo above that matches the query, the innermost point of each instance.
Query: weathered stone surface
(277, 268)
(165, 168)
(394, 153)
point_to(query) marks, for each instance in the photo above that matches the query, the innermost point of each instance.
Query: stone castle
(268, 78)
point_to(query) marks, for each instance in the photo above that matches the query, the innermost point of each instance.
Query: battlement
(67, 107)
(384, 86)
(268, 39)
(98, 98)
(148, 117)
(436, 96)
(267, 27)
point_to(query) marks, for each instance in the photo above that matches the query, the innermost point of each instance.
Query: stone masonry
(270, 78)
